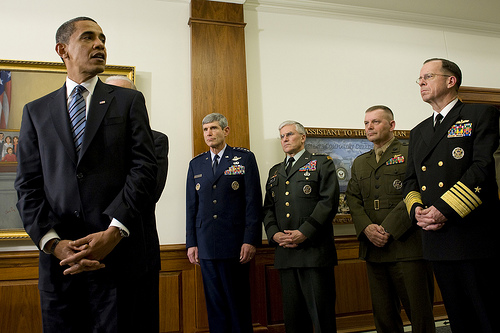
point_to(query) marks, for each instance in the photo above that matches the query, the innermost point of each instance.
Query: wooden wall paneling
(218, 69)
(20, 307)
(479, 95)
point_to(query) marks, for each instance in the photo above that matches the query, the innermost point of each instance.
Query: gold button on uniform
(287, 193)
(424, 168)
(287, 182)
(287, 204)
(287, 214)
(440, 163)
(424, 188)
(440, 184)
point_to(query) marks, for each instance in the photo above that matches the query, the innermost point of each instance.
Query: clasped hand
(86, 254)
(429, 219)
(289, 238)
(377, 235)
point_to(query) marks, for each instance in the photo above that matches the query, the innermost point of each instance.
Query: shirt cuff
(51, 234)
(119, 225)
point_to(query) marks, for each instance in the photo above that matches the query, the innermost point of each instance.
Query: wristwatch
(123, 233)
(54, 244)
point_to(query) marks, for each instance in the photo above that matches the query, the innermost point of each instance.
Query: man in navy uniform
(451, 193)
(389, 243)
(302, 197)
(223, 225)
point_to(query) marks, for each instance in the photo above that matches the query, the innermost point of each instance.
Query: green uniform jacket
(374, 195)
(306, 200)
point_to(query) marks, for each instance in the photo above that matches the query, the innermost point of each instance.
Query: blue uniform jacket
(223, 211)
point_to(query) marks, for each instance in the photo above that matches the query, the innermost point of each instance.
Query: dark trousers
(408, 282)
(227, 293)
(309, 299)
(94, 302)
(470, 292)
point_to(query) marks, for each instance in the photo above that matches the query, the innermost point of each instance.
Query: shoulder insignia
(242, 149)
(200, 154)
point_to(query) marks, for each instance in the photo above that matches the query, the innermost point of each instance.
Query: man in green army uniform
(302, 196)
(390, 244)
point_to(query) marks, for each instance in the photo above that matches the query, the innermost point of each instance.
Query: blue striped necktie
(76, 111)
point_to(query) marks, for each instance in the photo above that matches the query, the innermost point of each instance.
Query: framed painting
(343, 146)
(20, 83)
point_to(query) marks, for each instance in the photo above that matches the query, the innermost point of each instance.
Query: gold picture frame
(30, 80)
(343, 145)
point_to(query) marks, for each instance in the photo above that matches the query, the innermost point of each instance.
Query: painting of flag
(5, 89)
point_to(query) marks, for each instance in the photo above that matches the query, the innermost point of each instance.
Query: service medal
(458, 153)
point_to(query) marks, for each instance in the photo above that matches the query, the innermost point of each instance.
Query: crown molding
(326, 9)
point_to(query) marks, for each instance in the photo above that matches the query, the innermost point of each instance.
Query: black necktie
(439, 117)
(289, 165)
(215, 164)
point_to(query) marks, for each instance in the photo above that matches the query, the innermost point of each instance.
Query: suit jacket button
(79, 175)
(77, 213)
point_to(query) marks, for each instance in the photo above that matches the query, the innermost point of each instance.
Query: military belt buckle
(376, 204)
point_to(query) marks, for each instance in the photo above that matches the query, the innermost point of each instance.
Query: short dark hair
(381, 107)
(449, 67)
(67, 28)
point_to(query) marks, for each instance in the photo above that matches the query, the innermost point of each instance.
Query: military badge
(458, 153)
(460, 130)
(197, 187)
(235, 185)
(398, 184)
(341, 173)
(235, 170)
(307, 189)
(397, 159)
(311, 166)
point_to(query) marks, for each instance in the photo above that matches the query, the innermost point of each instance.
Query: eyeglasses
(428, 77)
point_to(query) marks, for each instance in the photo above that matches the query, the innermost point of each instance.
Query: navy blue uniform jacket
(223, 211)
(453, 169)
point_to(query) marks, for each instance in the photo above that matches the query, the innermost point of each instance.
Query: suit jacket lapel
(432, 138)
(304, 159)
(58, 109)
(99, 104)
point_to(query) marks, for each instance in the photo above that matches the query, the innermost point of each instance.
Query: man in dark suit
(302, 197)
(389, 243)
(160, 139)
(86, 200)
(223, 211)
(451, 193)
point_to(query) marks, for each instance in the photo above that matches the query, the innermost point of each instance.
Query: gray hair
(121, 78)
(298, 126)
(213, 117)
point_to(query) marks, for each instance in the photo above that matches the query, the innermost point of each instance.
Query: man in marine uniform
(389, 243)
(451, 193)
(302, 196)
(223, 214)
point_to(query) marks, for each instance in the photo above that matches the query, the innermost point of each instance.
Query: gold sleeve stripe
(461, 199)
(412, 198)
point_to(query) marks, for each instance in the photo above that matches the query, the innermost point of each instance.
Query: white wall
(323, 71)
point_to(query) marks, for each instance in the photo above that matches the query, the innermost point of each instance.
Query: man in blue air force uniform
(223, 211)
